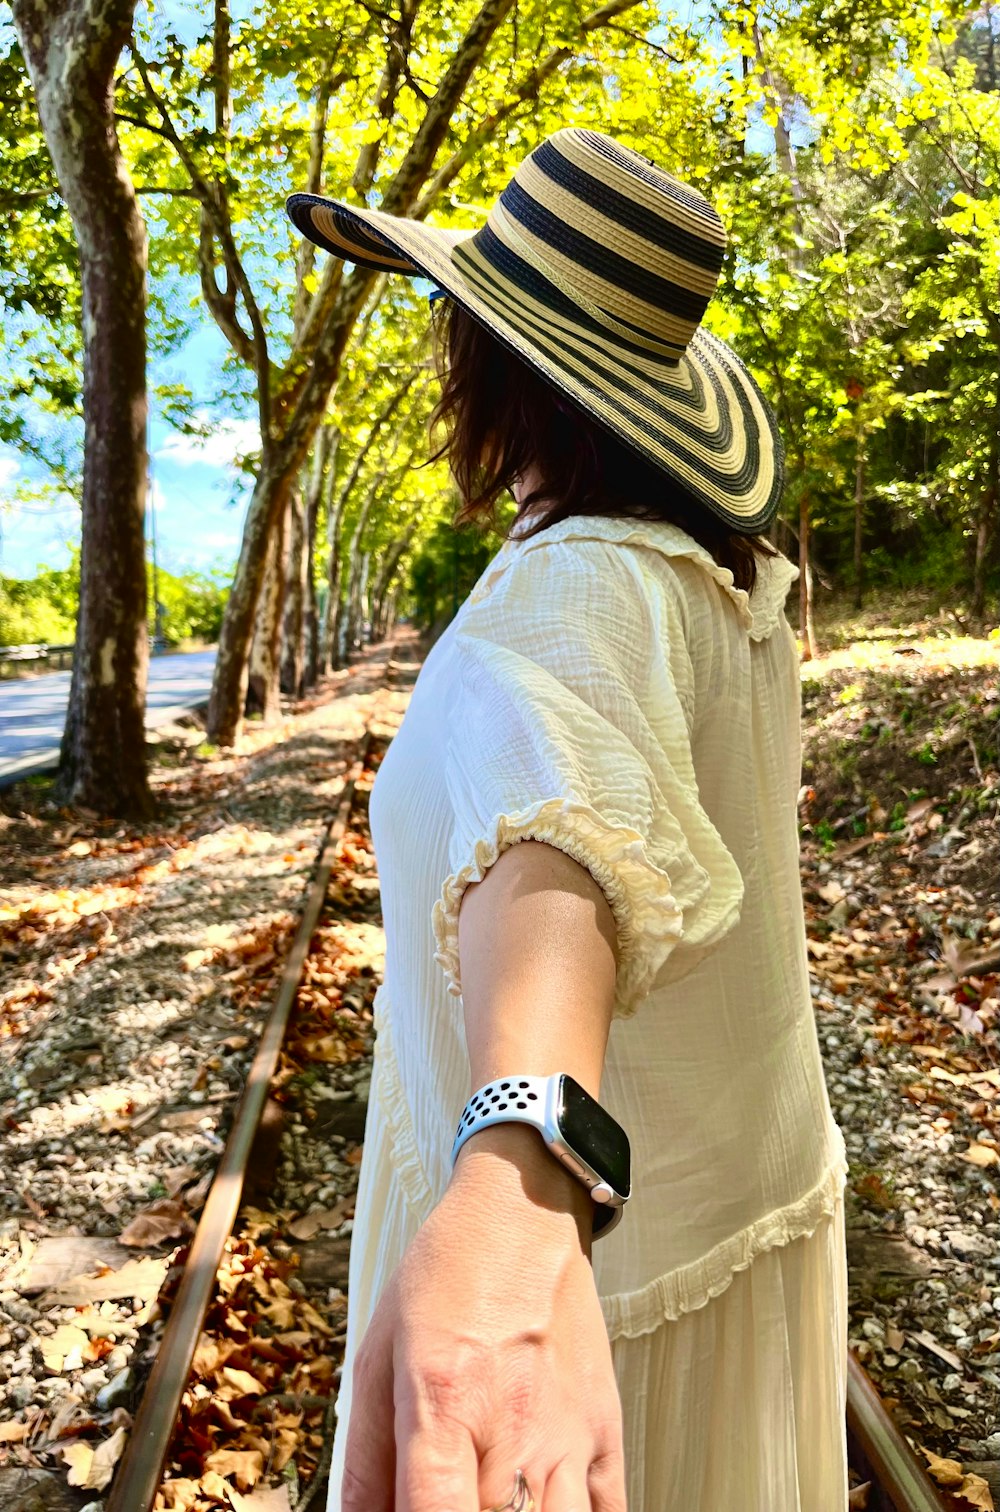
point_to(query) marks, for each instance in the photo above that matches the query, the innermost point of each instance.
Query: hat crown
(635, 248)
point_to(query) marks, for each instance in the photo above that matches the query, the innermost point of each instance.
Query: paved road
(33, 710)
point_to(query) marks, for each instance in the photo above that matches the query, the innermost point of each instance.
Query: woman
(587, 844)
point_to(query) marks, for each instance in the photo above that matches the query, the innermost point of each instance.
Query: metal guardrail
(40, 652)
(18, 655)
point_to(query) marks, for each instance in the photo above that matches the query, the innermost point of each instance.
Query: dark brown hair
(501, 417)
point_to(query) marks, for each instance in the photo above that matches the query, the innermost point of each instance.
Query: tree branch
(635, 36)
(381, 419)
(26, 197)
(221, 302)
(528, 90)
(396, 66)
(223, 231)
(306, 260)
(317, 357)
(166, 189)
(418, 161)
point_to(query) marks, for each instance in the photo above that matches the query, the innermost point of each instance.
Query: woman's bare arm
(487, 1350)
(538, 952)
(538, 948)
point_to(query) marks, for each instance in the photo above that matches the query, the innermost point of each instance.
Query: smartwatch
(577, 1130)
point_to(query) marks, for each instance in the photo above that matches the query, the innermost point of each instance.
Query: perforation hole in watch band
(498, 1097)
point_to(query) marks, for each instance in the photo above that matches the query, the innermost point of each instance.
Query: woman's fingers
(606, 1483)
(370, 1455)
(566, 1490)
(438, 1472)
(497, 1486)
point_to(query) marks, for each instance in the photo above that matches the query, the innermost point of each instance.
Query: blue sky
(200, 497)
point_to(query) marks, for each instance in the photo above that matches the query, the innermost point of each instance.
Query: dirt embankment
(900, 812)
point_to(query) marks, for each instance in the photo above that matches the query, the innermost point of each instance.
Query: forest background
(851, 146)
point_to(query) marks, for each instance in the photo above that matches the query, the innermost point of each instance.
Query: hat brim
(701, 419)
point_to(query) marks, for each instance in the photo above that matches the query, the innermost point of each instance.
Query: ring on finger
(521, 1499)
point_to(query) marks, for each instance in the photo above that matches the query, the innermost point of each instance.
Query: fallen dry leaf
(13, 1433)
(162, 1220)
(179, 1495)
(176, 1179)
(245, 1465)
(210, 1354)
(242, 1381)
(929, 1342)
(310, 1224)
(977, 1493)
(264, 1499)
(967, 957)
(947, 1472)
(137, 1278)
(66, 1349)
(92, 1468)
(980, 1155)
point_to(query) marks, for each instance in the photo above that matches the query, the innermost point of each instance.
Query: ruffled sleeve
(570, 724)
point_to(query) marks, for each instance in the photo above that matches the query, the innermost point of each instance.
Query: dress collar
(758, 612)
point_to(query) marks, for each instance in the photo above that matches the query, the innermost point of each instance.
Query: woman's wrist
(510, 1167)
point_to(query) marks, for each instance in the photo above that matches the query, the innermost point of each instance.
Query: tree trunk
(263, 683)
(363, 605)
(784, 151)
(859, 520)
(805, 584)
(390, 563)
(230, 679)
(310, 608)
(71, 48)
(324, 455)
(986, 524)
(313, 368)
(330, 637)
(355, 558)
(293, 647)
(984, 540)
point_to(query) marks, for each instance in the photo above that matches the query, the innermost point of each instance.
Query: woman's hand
(487, 1351)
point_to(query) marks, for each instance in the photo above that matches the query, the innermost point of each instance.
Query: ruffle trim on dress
(405, 1157)
(759, 612)
(648, 917)
(670, 1296)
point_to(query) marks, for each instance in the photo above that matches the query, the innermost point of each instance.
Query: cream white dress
(607, 689)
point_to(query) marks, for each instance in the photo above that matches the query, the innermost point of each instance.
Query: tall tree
(407, 77)
(72, 48)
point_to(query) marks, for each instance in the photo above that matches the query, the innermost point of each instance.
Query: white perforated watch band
(522, 1099)
(533, 1100)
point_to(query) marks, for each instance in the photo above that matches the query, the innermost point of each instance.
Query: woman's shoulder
(671, 558)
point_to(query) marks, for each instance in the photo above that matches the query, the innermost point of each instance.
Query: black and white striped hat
(596, 267)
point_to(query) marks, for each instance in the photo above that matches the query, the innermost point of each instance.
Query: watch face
(593, 1134)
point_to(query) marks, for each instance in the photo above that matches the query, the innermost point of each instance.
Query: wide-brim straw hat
(596, 267)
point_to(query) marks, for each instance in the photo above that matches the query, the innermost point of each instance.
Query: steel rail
(137, 1479)
(900, 1475)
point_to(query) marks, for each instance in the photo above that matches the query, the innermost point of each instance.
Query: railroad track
(140, 1471)
(879, 1454)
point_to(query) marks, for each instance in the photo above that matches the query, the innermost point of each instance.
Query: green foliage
(41, 609)
(192, 606)
(862, 283)
(39, 271)
(444, 571)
